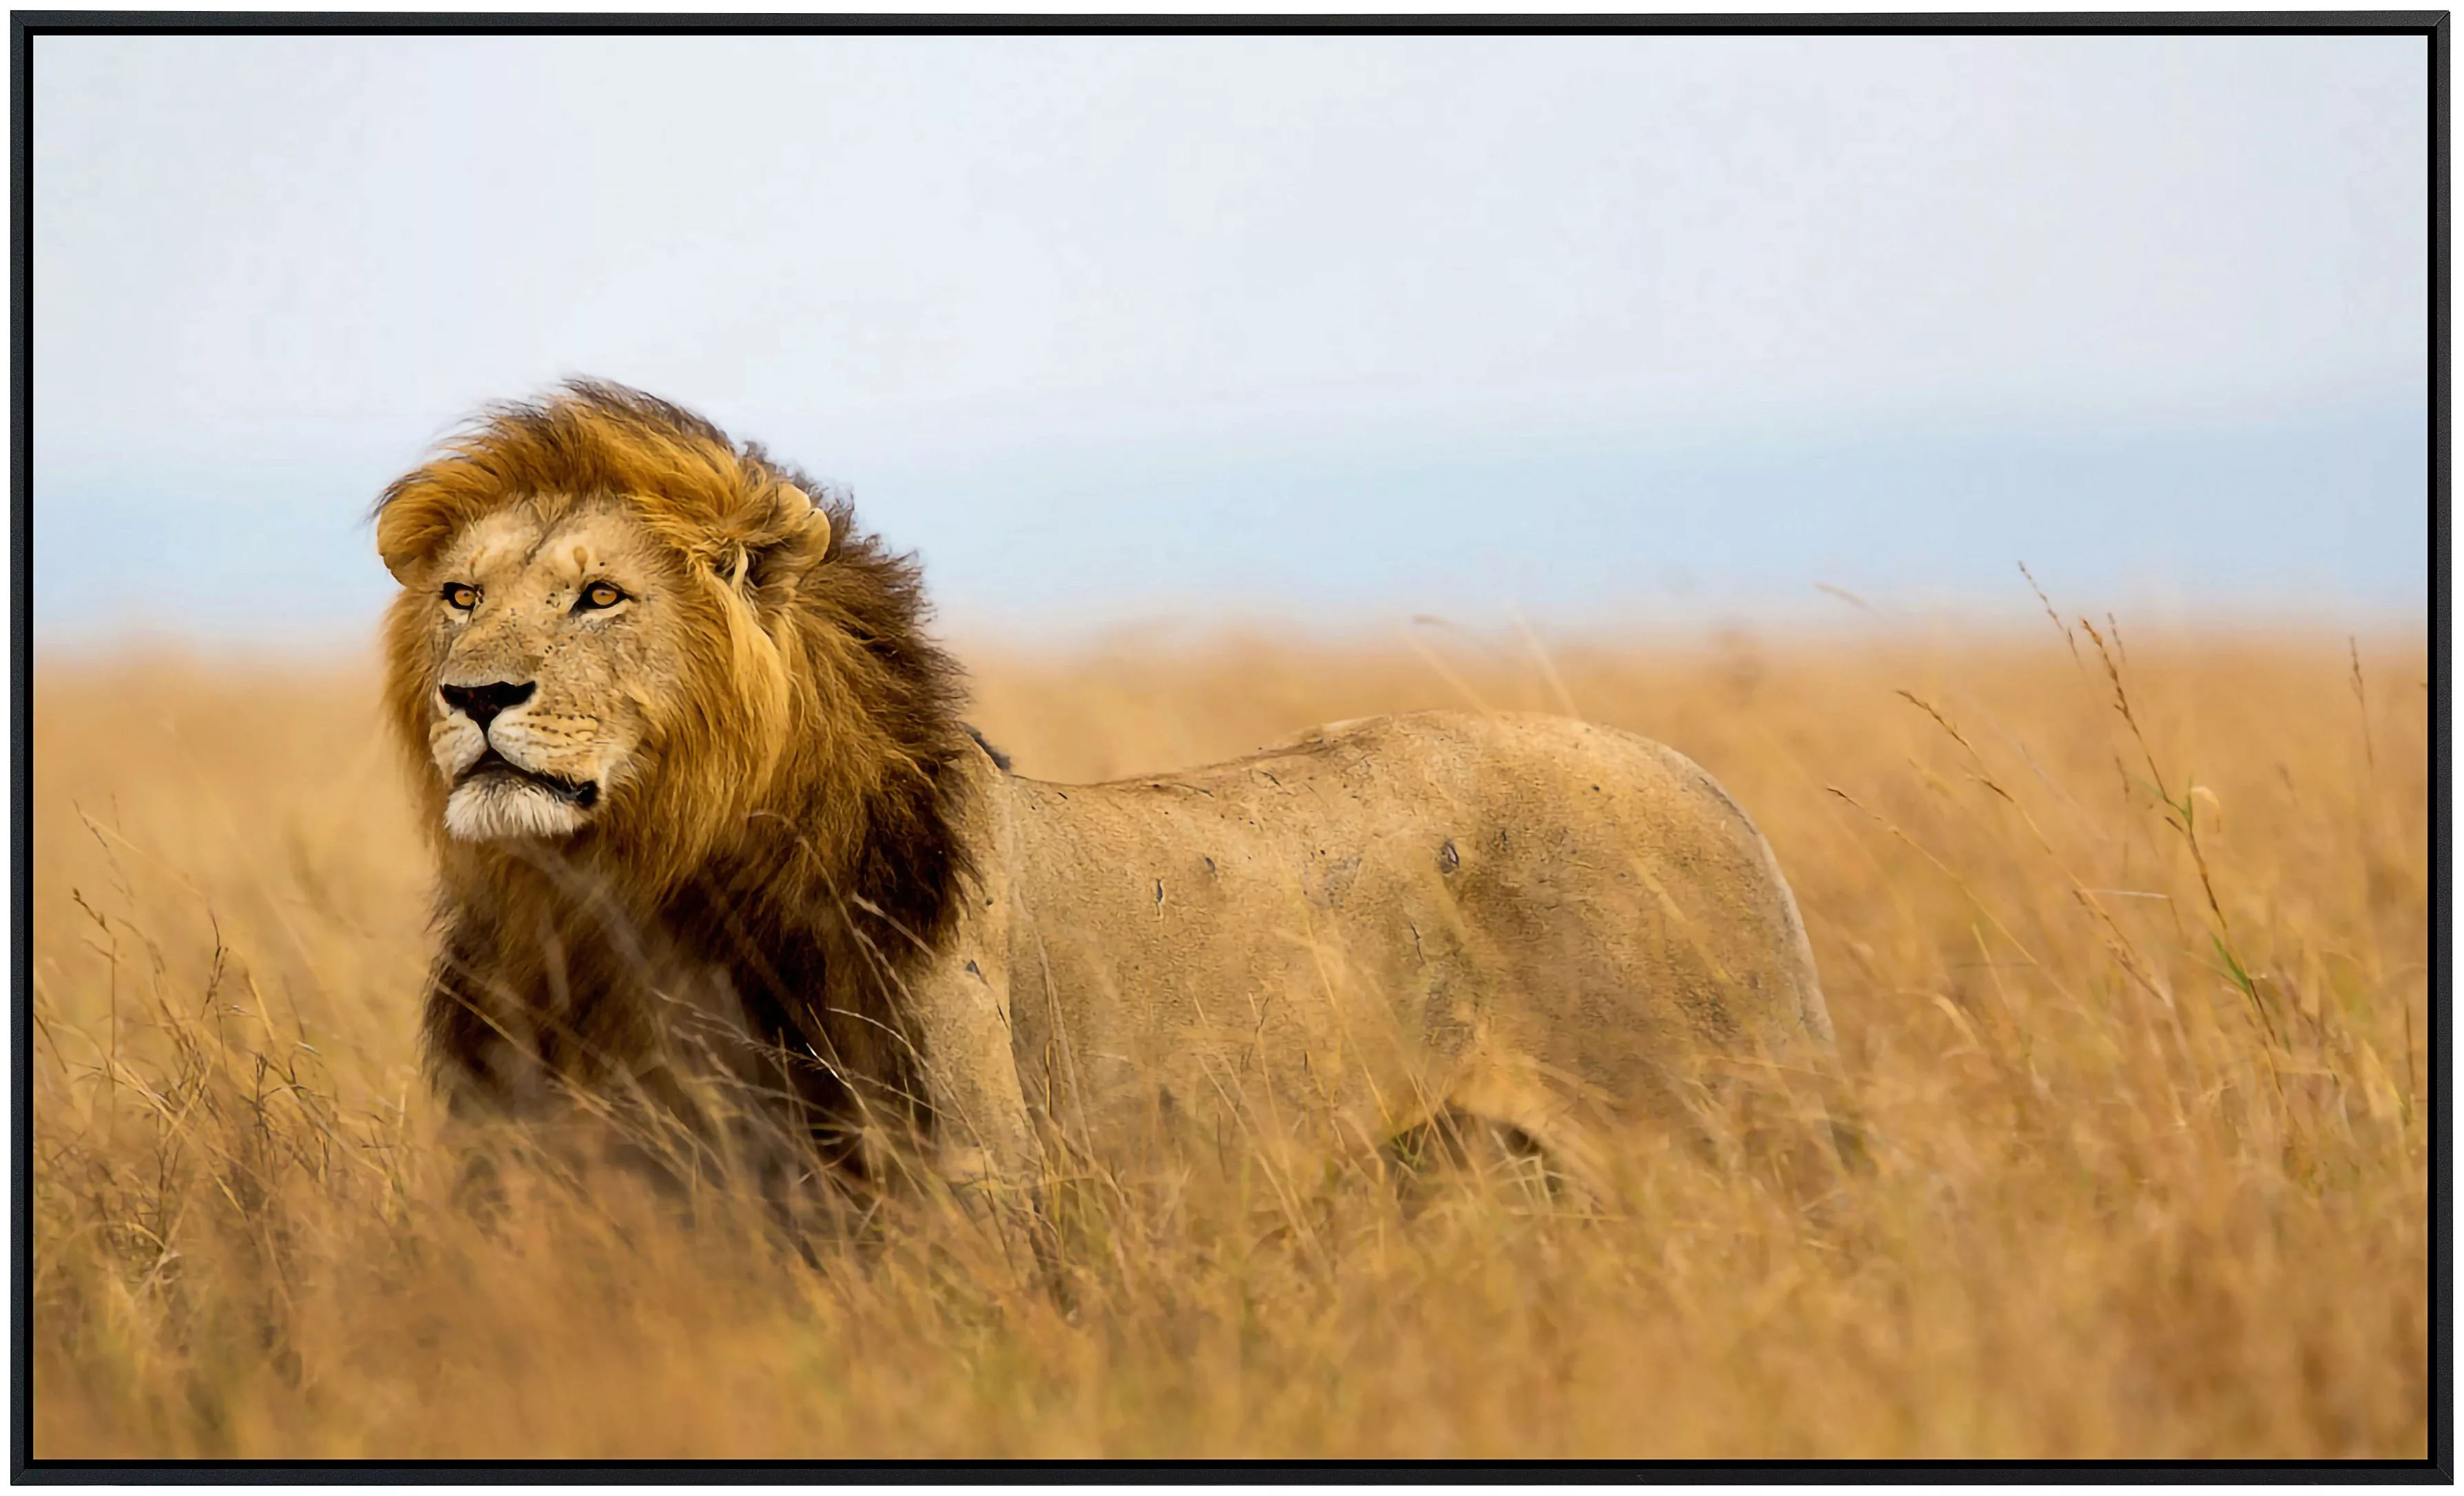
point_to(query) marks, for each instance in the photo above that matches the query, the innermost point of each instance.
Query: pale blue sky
(1322, 330)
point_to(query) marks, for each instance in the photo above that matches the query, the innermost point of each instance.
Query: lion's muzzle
(506, 780)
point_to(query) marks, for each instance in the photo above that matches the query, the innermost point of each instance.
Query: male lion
(702, 805)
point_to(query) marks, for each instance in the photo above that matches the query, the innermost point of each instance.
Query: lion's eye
(462, 595)
(599, 594)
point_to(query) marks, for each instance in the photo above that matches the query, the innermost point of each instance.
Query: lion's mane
(798, 832)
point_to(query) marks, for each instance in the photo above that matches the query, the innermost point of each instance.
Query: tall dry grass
(2132, 1007)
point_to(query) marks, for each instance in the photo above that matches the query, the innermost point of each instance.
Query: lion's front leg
(981, 1144)
(979, 1139)
(475, 1072)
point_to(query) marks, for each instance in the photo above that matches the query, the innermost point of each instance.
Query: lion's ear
(812, 534)
(401, 565)
(406, 538)
(801, 541)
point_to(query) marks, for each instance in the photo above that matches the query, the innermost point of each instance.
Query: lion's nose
(481, 703)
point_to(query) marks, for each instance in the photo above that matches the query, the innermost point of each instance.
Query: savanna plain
(2124, 935)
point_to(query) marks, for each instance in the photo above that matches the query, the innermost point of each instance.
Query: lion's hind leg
(1527, 1148)
(1451, 1144)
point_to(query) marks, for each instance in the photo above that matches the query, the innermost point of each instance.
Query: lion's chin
(497, 807)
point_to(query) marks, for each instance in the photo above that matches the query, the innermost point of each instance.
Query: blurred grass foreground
(2132, 1006)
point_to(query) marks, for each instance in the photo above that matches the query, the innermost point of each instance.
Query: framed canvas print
(766, 747)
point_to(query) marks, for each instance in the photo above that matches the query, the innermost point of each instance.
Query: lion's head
(623, 636)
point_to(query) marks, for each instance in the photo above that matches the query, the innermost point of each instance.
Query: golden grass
(2145, 1108)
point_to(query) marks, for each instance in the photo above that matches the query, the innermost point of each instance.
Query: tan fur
(1529, 922)
(775, 846)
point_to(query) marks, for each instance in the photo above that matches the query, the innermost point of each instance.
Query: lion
(702, 801)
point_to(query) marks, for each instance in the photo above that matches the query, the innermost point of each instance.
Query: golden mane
(804, 795)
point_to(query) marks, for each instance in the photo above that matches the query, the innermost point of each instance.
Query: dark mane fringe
(812, 896)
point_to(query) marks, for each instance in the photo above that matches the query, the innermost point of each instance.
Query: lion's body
(703, 806)
(1527, 919)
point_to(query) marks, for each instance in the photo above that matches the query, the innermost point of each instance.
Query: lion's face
(552, 639)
